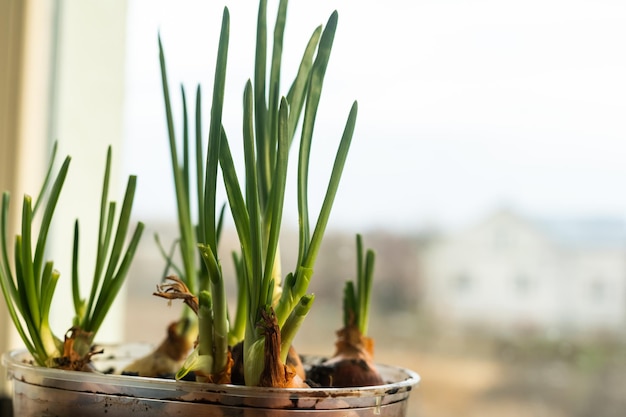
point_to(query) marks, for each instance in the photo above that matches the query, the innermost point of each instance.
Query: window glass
(464, 108)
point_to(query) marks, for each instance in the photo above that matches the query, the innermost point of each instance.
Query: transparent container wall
(52, 392)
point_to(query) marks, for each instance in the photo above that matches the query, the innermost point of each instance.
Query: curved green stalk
(274, 100)
(215, 131)
(297, 93)
(312, 102)
(277, 195)
(7, 283)
(187, 241)
(5, 271)
(261, 122)
(257, 283)
(104, 232)
(47, 178)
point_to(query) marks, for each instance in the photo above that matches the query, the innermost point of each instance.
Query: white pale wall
(599, 288)
(563, 287)
(491, 256)
(62, 77)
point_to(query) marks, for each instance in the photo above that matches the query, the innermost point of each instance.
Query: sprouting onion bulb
(352, 364)
(28, 283)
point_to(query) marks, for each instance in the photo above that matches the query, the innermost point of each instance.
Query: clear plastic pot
(52, 392)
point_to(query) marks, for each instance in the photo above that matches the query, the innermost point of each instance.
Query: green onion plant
(270, 123)
(29, 281)
(353, 365)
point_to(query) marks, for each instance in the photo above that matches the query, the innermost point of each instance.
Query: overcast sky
(464, 106)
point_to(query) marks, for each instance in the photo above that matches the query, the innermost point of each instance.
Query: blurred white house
(512, 272)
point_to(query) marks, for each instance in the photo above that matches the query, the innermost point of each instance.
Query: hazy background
(464, 106)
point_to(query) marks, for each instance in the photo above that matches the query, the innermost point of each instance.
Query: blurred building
(517, 273)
